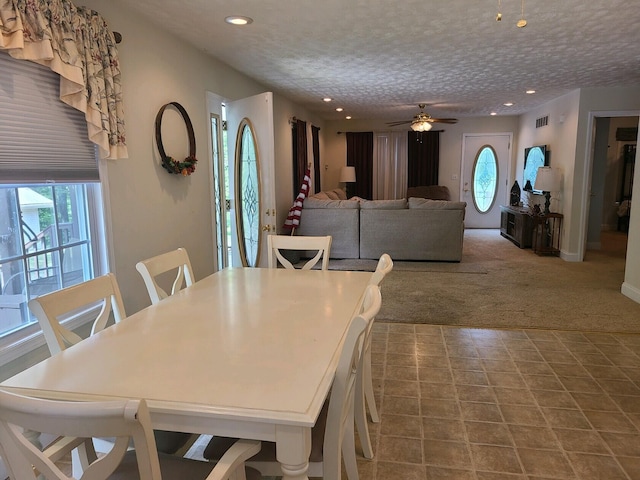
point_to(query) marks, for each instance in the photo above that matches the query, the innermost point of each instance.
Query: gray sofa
(417, 229)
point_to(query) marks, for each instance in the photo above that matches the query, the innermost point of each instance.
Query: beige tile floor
(482, 404)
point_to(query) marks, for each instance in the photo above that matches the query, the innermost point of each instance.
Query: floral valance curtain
(76, 43)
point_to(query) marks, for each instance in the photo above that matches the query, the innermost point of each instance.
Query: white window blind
(41, 138)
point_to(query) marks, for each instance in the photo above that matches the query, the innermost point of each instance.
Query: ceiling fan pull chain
(522, 22)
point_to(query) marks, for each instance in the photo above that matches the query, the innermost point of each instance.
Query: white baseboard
(570, 257)
(630, 291)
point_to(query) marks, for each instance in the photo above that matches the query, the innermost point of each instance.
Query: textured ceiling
(378, 59)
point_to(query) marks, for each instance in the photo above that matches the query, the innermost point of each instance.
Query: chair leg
(349, 452)
(368, 388)
(363, 429)
(360, 415)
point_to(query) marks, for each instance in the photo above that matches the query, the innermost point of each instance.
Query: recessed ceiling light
(508, 104)
(326, 99)
(348, 117)
(530, 91)
(238, 20)
(493, 113)
(339, 109)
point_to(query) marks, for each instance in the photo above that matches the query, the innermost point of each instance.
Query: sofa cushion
(434, 192)
(425, 203)
(343, 224)
(315, 203)
(412, 234)
(398, 204)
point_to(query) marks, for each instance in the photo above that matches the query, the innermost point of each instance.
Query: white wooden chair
(365, 398)
(333, 436)
(49, 309)
(125, 420)
(276, 243)
(151, 268)
(102, 292)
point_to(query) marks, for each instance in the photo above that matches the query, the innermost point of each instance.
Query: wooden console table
(547, 230)
(516, 224)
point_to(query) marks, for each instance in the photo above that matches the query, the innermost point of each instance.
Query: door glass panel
(485, 179)
(248, 197)
(218, 186)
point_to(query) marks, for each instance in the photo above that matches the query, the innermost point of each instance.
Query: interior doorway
(608, 197)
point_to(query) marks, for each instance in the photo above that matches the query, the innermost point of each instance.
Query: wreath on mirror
(171, 165)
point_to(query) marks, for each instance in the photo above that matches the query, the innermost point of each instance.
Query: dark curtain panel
(315, 139)
(424, 158)
(360, 155)
(299, 135)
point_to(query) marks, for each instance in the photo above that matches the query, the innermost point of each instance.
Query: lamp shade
(548, 179)
(348, 174)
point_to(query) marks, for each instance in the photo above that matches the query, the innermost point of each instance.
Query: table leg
(293, 447)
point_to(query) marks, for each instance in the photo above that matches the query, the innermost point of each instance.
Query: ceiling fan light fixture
(420, 125)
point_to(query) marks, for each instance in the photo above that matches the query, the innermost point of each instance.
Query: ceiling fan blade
(444, 120)
(400, 122)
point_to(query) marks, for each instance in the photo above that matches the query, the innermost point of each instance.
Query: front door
(484, 174)
(250, 142)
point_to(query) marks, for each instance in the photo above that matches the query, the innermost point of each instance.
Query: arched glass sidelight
(485, 179)
(248, 194)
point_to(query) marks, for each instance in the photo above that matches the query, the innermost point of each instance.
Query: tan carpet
(519, 289)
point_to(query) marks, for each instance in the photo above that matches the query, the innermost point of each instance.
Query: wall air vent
(542, 121)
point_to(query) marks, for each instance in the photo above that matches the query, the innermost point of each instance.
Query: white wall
(151, 211)
(450, 146)
(631, 285)
(560, 138)
(286, 192)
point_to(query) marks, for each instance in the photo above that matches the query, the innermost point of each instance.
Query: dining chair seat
(318, 247)
(333, 436)
(176, 261)
(128, 421)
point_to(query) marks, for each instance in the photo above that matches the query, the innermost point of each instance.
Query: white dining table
(245, 352)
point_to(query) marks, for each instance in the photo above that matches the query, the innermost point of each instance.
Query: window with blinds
(41, 138)
(50, 200)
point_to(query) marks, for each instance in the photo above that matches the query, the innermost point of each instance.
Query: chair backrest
(385, 265)
(174, 260)
(341, 403)
(50, 308)
(123, 419)
(276, 243)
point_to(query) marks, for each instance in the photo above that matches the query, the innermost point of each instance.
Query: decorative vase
(515, 194)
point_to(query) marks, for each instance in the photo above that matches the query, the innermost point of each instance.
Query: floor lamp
(348, 177)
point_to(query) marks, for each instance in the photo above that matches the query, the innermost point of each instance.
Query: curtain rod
(391, 131)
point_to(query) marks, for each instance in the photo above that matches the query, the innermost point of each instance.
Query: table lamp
(548, 180)
(348, 176)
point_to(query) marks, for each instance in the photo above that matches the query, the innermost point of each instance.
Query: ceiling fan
(422, 122)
